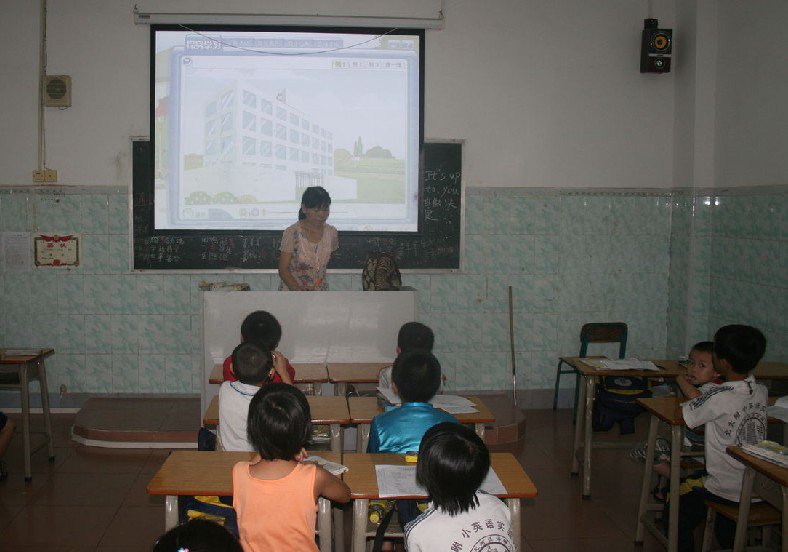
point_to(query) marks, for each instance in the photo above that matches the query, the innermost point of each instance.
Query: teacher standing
(308, 244)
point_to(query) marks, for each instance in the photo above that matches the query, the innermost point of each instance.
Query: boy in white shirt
(254, 366)
(734, 413)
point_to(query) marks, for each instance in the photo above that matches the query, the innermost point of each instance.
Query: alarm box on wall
(656, 48)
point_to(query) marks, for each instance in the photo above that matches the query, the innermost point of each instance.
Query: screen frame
(286, 28)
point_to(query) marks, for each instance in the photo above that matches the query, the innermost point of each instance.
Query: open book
(621, 364)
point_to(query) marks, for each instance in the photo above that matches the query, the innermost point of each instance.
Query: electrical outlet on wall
(45, 175)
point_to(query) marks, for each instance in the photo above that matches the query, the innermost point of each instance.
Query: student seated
(453, 462)
(412, 336)
(6, 433)
(700, 372)
(732, 413)
(254, 366)
(275, 495)
(417, 376)
(263, 328)
(197, 535)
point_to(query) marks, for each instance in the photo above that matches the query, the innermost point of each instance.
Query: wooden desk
(16, 372)
(769, 370)
(305, 372)
(363, 483)
(192, 473)
(667, 410)
(757, 466)
(585, 406)
(342, 373)
(363, 409)
(332, 411)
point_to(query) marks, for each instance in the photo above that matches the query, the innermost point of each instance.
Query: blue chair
(594, 332)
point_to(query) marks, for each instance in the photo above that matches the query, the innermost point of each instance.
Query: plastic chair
(593, 332)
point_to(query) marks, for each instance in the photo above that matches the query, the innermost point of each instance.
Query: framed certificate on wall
(54, 250)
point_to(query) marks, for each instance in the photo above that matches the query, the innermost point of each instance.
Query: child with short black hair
(412, 336)
(263, 328)
(197, 535)
(733, 413)
(255, 366)
(275, 495)
(417, 377)
(453, 463)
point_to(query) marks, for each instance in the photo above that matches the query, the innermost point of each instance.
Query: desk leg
(589, 431)
(339, 526)
(675, 482)
(336, 437)
(647, 476)
(170, 512)
(479, 428)
(324, 523)
(360, 507)
(42, 380)
(784, 528)
(517, 529)
(24, 381)
(740, 540)
(581, 408)
(362, 438)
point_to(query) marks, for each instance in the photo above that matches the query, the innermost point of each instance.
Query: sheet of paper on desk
(628, 364)
(401, 481)
(331, 467)
(453, 404)
(779, 410)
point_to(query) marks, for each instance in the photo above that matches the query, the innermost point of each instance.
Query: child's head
(417, 375)
(739, 348)
(262, 327)
(453, 462)
(701, 365)
(252, 363)
(314, 197)
(415, 335)
(279, 422)
(197, 535)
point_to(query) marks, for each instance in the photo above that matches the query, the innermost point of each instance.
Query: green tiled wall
(569, 257)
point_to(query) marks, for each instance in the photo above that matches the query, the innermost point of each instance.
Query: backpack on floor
(616, 403)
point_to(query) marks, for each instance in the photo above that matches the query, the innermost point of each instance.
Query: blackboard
(436, 247)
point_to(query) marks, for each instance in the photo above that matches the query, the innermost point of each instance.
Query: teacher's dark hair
(314, 196)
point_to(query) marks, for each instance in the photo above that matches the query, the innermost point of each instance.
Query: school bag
(380, 272)
(616, 403)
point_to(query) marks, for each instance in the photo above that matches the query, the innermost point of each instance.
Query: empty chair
(593, 332)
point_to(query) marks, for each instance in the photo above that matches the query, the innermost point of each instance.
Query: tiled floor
(94, 499)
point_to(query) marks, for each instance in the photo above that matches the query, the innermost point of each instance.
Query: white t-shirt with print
(484, 528)
(734, 414)
(234, 399)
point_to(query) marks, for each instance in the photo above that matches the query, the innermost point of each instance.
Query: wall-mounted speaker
(57, 91)
(656, 48)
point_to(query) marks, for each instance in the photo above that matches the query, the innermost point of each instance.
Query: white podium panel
(349, 326)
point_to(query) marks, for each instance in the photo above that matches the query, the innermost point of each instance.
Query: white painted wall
(752, 93)
(545, 92)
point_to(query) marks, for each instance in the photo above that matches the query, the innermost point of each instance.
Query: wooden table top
(23, 359)
(204, 472)
(363, 481)
(671, 368)
(769, 469)
(363, 409)
(324, 410)
(668, 409)
(355, 372)
(305, 372)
